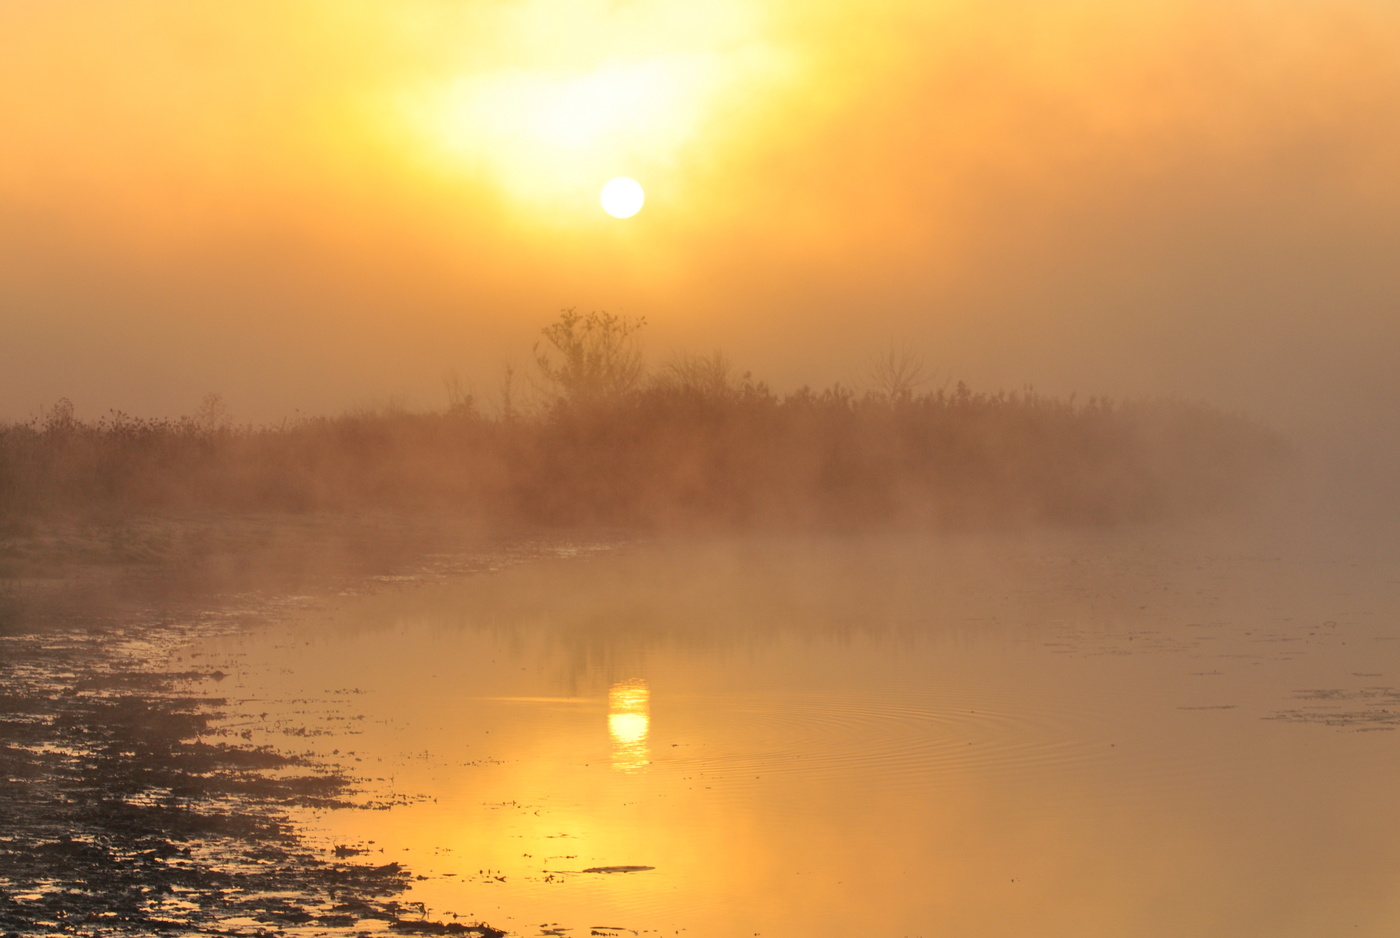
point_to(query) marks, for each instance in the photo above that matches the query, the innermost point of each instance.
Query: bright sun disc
(622, 197)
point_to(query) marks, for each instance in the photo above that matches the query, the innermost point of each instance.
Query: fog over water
(1077, 734)
(693, 651)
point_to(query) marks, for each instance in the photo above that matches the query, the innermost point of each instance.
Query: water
(1136, 734)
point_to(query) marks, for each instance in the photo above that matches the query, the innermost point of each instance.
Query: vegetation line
(689, 445)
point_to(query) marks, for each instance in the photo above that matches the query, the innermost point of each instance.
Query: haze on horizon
(326, 205)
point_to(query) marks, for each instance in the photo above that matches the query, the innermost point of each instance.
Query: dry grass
(691, 448)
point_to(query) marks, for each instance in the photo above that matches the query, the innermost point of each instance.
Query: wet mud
(125, 810)
(126, 806)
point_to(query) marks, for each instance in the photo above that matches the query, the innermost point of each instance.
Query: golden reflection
(629, 720)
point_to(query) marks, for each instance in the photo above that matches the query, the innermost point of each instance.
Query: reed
(692, 445)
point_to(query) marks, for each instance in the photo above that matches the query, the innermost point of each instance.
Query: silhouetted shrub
(695, 447)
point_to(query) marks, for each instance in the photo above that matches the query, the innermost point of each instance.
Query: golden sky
(331, 203)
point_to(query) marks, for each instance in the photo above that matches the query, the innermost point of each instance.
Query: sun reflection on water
(629, 720)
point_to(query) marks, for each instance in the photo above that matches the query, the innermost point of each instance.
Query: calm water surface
(1077, 735)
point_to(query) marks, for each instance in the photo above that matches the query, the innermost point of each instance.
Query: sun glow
(659, 89)
(629, 720)
(545, 136)
(582, 111)
(622, 197)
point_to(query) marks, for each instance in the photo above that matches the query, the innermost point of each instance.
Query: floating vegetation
(1367, 709)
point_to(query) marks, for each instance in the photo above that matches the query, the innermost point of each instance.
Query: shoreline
(76, 567)
(126, 809)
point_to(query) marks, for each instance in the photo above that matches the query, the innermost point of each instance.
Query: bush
(694, 446)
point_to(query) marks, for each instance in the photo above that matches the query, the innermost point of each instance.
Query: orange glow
(629, 721)
(321, 205)
(544, 127)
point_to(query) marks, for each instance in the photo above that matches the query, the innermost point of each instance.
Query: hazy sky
(319, 205)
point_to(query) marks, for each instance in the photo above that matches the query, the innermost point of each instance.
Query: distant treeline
(691, 445)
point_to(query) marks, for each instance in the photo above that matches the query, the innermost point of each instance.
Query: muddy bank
(126, 807)
(79, 567)
(124, 811)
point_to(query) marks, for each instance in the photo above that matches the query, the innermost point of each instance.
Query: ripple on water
(899, 742)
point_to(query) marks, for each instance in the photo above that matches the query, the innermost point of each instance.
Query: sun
(622, 197)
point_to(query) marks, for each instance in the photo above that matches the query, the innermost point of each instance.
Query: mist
(961, 501)
(1183, 199)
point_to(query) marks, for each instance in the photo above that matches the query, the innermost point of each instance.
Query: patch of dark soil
(444, 928)
(123, 813)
